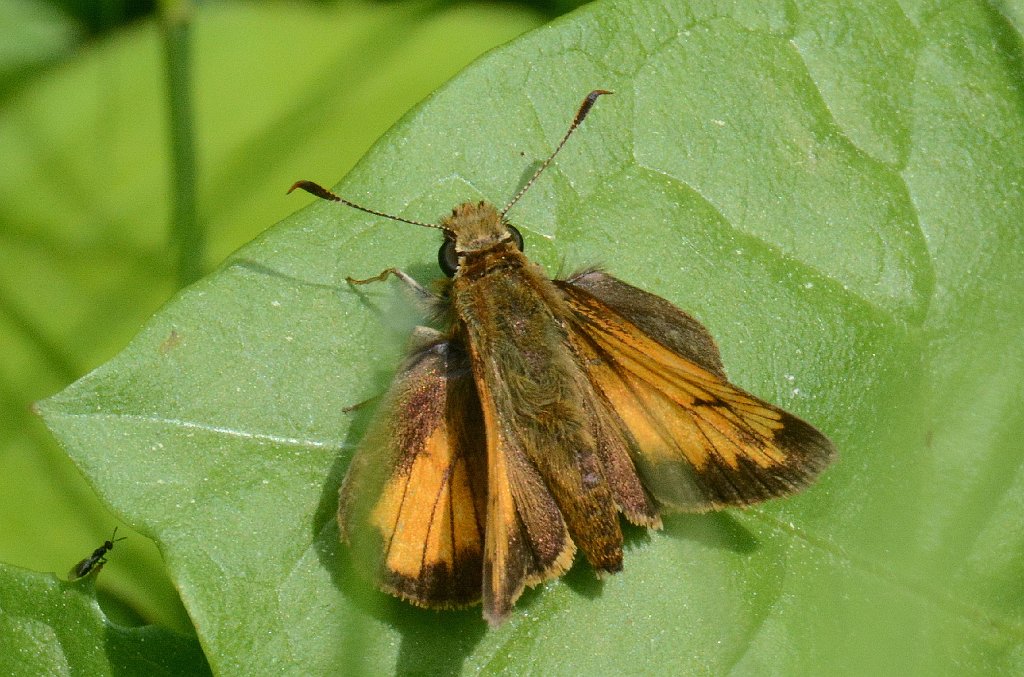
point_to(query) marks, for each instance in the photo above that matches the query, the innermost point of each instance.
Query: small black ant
(97, 559)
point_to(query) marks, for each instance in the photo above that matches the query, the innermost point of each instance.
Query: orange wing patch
(715, 417)
(428, 516)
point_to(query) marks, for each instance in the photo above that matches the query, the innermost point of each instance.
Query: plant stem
(187, 235)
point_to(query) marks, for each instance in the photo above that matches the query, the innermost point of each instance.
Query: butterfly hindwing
(652, 316)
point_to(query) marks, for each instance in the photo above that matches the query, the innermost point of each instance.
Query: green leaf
(49, 626)
(833, 190)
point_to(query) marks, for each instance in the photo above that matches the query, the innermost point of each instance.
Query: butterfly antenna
(324, 194)
(585, 107)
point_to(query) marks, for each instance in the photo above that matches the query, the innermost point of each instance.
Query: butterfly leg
(422, 294)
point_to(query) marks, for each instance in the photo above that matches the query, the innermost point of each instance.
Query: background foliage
(834, 191)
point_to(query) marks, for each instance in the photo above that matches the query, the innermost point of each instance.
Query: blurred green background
(106, 212)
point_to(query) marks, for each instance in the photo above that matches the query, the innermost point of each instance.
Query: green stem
(186, 232)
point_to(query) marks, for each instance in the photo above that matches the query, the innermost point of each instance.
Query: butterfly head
(474, 228)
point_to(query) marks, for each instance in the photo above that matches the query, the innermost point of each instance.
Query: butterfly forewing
(697, 441)
(527, 539)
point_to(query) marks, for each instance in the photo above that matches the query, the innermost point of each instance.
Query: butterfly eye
(448, 258)
(517, 237)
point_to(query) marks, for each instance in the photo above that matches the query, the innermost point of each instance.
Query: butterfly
(543, 409)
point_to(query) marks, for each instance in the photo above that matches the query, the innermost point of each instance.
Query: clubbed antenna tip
(588, 103)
